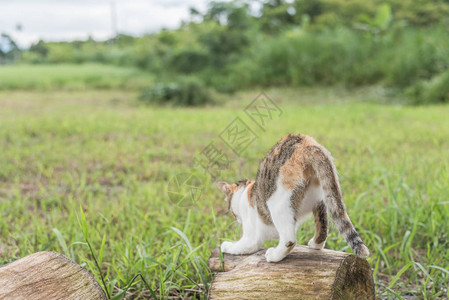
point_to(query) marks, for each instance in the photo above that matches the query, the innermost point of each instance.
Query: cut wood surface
(47, 275)
(303, 274)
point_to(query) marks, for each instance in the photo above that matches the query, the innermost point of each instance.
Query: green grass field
(104, 152)
(72, 77)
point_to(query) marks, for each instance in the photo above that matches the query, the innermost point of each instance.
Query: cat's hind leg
(283, 217)
(321, 225)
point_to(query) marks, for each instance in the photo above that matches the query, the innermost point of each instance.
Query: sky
(65, 20)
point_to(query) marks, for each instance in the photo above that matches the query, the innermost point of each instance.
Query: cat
(296, 178)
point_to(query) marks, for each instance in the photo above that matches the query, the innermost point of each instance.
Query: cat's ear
(224, 187)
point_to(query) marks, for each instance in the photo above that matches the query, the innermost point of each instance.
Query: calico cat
(297, 177)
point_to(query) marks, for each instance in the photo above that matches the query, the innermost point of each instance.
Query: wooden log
(47, 275)
(303, 274)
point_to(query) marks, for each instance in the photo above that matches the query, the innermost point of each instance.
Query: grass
(72, 77)
(103, 152)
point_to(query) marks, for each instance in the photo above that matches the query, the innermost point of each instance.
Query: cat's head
(233, 192)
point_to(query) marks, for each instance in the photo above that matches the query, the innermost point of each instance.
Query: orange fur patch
(276, 151)
(250, 187)
(296, 170)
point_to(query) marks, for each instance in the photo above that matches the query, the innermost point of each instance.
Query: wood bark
(47, 275)
(303, 274)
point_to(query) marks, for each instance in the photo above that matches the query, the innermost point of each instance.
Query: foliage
(435, 90)
(303, 58)
(380, 22)
(188, 91)
(9, 51)
(189, 60)
(40, 48)
(417, 56)
(231, 46)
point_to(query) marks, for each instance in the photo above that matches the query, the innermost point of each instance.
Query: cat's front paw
(273, 255)
(227, 247)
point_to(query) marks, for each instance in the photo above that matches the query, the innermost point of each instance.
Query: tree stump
(47, 275)
(304, 274)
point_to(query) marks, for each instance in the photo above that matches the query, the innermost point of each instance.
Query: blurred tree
(40, 48)
(276, 15)
(379, 23)
(195, 15)
(124, 40)
(420, 12)
(190, 60)
(227, 26)
(234, 14)
(167, 37)
(9, 51)
(311, 8)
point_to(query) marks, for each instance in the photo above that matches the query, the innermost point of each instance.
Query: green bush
(188, 91)
(399, 58)
(189, 60)
(299, 57)
(435, 90)
(415, 55)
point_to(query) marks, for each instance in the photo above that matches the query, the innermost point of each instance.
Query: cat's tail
(326, 172)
